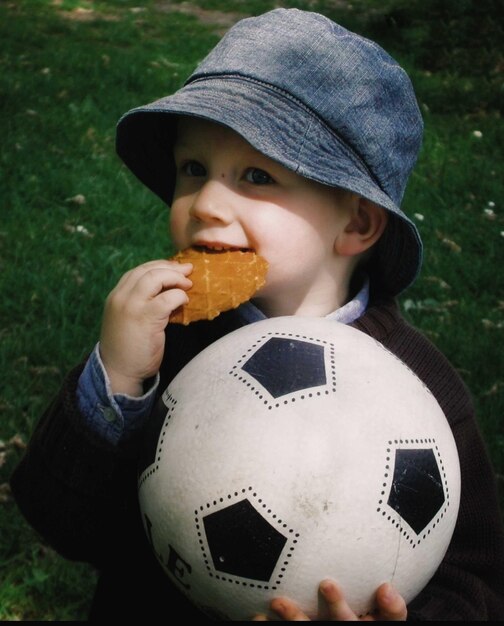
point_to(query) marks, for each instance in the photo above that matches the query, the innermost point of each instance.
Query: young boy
(294, 138)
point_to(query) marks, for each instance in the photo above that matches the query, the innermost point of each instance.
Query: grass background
(73, 219)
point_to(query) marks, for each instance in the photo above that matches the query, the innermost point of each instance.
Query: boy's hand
(390, 606)
(136, 313)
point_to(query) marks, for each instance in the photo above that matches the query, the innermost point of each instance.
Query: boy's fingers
(130, 279)
(168, 301)
(157, 280)
(288, 610)
(391, 605)
(336, 603)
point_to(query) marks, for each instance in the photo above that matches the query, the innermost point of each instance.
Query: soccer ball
(289, 451)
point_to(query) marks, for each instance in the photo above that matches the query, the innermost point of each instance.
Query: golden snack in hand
(222, 280)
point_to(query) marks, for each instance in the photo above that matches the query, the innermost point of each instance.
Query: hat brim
(280, 127)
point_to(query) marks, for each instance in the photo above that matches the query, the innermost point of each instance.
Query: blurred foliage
(456, 38)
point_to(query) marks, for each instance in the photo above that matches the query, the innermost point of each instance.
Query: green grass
(73, 219)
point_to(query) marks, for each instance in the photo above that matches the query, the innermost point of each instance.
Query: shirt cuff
(114, 417)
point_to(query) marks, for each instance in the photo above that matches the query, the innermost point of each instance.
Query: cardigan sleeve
(74, 488)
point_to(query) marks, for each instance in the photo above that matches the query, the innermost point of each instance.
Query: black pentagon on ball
(242, 542)
(416, 493)
(284, 365)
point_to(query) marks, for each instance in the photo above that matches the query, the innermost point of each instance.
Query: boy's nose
(212, 203)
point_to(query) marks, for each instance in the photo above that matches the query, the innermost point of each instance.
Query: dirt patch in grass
(223, 20)
(82, 14)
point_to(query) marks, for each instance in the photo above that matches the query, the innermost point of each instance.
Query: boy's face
(229, 196)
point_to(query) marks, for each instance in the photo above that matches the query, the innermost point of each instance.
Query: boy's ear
(365, 227)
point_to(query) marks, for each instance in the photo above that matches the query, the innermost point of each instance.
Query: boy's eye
(193, 168)
(258, 177)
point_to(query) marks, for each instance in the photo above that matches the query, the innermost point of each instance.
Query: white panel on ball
(292, 450)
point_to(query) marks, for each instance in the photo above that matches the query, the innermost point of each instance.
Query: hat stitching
(302, 142)
(351, 153)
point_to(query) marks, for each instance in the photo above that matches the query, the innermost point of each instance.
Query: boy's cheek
(178, 229)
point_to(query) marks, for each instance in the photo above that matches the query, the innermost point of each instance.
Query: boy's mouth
(219, 247)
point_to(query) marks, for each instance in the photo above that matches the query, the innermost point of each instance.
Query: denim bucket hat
(322, 101)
